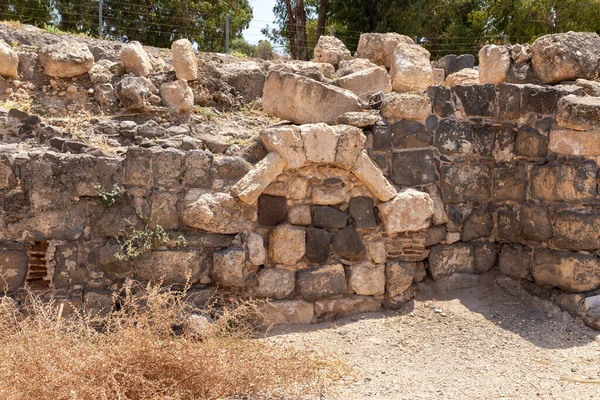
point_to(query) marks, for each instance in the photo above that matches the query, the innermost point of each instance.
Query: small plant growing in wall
(112, 197)
(141, 241)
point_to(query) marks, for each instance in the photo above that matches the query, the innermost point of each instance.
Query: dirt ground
(477, 343)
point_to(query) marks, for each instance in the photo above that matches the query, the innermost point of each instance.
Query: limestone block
(256, 248)
(350, 143)
(347, 67)
(66, 59)
(133, 92)
(379, 47)
(177, 95)
(287, 141)
(287, 312)
(411, 70)
(325, 194)
(275, 283)
(367, 82)
(579, 143)
(465, 76)
(299, 215)
(9, 60)
(170, 266)
(320, 142)
(566, 56)
(214, 212)
(494, 64)
(135, 59)
(367, 279)
(591, 88)
(439, 212)
(340, 307)
(448, 259)
(287, 244)
(332, 50)
(515, 261)
(569, 271)
(409, 211)
(579, 113)
(399, 106)
(438, 76)
(376, 251)
(359, 119)
(372, 177)
(229, 267)
(297, 187)
(250, 187)
(399, 275)
(185, 62)
(323, 281)
(303, 100)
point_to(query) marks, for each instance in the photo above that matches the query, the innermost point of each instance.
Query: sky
(262, 15)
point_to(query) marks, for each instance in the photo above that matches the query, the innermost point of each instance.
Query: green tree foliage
(152, 22)
(448, 26)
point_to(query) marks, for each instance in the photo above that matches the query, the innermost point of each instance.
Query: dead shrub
(147, 349)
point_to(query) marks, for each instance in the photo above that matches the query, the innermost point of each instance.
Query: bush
(239, 45)
(264, 50)
(146, 350)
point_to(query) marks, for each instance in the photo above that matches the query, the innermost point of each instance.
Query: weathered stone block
(350, 143)
(410, 210)
(485, 139)
(299, 215)
(477, 100)
(505, 144)
(163, 210)
(367, 279)
(138, 167)
(399, 275)
(411, 70)
(320, 282)
(300, 100)
(287, 244)
(478, 224)
(399, 106)
(381, 138)
(13, 269)
(531, 142)
(509, 184)
(565, 182)
(570, 142)
(409, 134)
(318, 244)
(367, 82)
(515, 261)
(320, 142)
(348, 245)
(579, 113)
(542, 99)
(535, 223)
(229, 267)
(274, 283)
(465, 183)
(255, 244)
(442, 100)
(362, 211)
(486, 256)
(376, 251)
(379, 47)
(214, 212)
(372, 177)
(230, 167)
(454, 137)
(448, 259)
(439, 212)
(494, 63)
(272, 210)
(198, 166)
(250, 187)
(577, 230)
(329, 194)
(508, 226)
(287, 141)
(169, 266)
(570, 271)
(287, 312)
(435, 235)
(327, 309)
(509, 101)
(414, 167)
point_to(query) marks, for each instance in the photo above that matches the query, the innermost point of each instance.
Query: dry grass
(146, 350)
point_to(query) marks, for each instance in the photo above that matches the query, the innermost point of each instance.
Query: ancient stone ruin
(374, 173)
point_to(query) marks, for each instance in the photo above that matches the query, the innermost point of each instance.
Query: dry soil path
(471, 344)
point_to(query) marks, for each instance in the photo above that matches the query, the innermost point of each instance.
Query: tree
(300, 19)
(322, 19)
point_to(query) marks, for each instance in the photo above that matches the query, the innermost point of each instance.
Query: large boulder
(331, 50)
(367, 82)
(185, 62)
(566, 56)
(9, 60)
(247, 78)
(177, 95)
(135, 59)
(379, 47)
(303, 100)
(411, 69)
(66, 59)
(347, 67)
(133, 92)
(494, 64)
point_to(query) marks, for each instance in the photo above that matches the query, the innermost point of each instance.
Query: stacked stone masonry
(345, 210)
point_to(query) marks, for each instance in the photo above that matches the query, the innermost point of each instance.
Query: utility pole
(227, 33)
(331, 30)
(100, 19)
